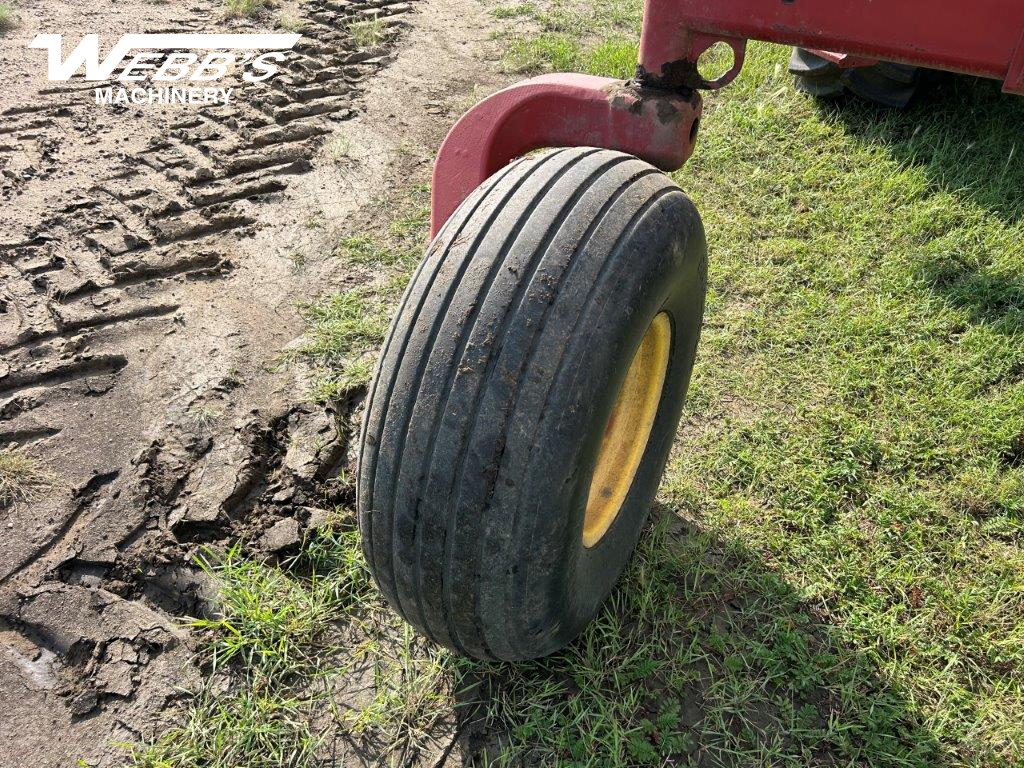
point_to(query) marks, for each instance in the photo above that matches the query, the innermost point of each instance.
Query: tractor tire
(885, 83)
(526, 400)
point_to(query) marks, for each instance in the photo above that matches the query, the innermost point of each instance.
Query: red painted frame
(981, 38)
(656, 115)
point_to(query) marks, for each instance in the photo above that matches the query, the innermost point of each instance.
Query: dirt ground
(152, 261)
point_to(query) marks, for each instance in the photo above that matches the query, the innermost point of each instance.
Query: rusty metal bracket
(672, 62)
(843, 60)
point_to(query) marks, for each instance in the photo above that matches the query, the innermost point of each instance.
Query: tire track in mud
(87, 605)
(144, 223)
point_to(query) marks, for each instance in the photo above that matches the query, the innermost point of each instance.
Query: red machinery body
(656, 115)
(982, 38)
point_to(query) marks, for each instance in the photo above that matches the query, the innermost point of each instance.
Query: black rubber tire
(885, 83)
(484, 419)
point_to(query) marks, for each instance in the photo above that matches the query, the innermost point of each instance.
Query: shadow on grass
(963, 131)
(996, 300)
(966, 136)
(706, 656)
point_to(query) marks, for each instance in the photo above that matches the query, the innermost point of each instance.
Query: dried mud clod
(103, 605)
(87, 646)
(265, 478)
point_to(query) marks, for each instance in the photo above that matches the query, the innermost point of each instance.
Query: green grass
(345, 330)
(267, 619)
(369, 33)
(279, 656)
(8, 17)
(559, 52)
(397, 247)
(513, 11)
(413, 687)
(266, 652)
(21, 477)
(597, 39)
(237, 727)
(834, 574)
(246, 8)
(290, 23)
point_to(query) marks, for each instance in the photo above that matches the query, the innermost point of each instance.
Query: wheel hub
(628, 430)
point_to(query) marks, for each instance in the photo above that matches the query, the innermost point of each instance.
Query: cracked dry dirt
(148, 284)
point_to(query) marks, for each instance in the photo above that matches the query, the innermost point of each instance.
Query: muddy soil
(152, 260)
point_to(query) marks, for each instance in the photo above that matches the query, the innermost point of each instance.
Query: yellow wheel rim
(628, 430)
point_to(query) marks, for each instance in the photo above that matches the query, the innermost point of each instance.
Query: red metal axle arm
(561, 111)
